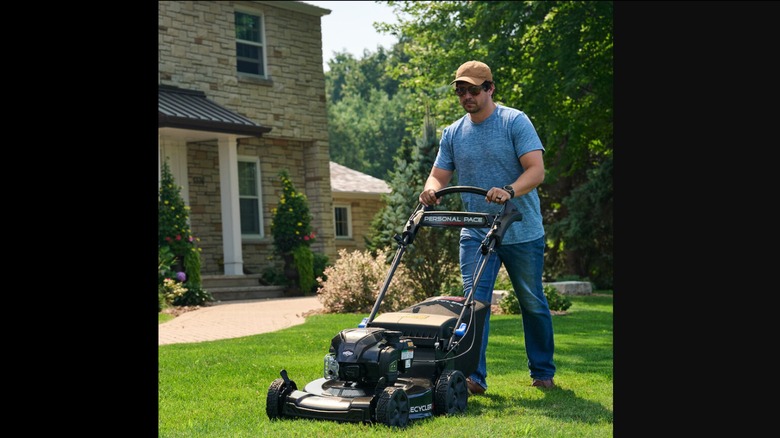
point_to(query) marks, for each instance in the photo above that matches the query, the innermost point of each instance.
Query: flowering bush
(356, 279)
(291, 226)
(172, 289)
(173, 229)
(178, 256)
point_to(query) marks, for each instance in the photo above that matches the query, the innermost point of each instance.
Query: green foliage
(292, 234)
(194, 296)
(356, 279)
(171, 290)
(556, 301)
(365, 108)
(272, 275)
(178, 258)
(586, 231)
(509, 304)
(304, 261)
(192, 266)
(433, 246)
(552, 60)
(161, 302)
(173, 228)
(165, 260)
(291, 226)
(319, 263)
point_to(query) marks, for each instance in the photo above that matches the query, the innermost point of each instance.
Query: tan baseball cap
(473, 72)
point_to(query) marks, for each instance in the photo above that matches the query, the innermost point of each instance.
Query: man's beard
(472, 109)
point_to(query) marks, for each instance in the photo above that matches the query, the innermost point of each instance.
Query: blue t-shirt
(487, 155)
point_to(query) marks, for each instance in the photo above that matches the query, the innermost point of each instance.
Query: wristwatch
(509, 189)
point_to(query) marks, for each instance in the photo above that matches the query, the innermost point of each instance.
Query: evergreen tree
(173, 228)
(175, 237)
(293, 236)
(432, 259)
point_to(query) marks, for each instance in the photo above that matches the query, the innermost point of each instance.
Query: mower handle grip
(460, 189)
(455, 189)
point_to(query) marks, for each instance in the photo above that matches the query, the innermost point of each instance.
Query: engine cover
(366, 355)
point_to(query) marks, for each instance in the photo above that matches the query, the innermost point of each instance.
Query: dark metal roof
(188, 109)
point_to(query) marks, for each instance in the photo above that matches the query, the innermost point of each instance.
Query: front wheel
(278, 390)
(392, 408)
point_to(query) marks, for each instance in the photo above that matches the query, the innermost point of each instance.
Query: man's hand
(428, 198)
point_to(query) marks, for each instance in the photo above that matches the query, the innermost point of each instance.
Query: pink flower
(178, 237)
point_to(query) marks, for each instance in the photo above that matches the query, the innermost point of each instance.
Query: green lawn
(218, 388)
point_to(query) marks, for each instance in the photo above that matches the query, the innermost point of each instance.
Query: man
(496, 147)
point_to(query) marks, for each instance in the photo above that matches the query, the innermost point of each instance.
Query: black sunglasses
(474, 90)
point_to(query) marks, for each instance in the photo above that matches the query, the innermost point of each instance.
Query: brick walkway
(235, 319)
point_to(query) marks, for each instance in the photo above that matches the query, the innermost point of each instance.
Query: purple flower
(181, 276)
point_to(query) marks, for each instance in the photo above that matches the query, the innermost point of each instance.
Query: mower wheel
(451, 393)
(275, 398)
(392, 408)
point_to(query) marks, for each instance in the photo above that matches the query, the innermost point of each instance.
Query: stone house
(241, 96)
(357, 197)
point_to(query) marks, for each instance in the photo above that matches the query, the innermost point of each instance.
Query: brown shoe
(543, 383)
(474, 387)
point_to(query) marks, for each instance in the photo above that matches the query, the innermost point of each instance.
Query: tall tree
(366, 113)
(552, 60)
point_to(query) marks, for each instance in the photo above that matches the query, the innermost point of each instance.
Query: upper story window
(250, 44)
(249, 197)
(342, 219)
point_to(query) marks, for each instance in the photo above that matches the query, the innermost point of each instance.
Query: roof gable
(346, 180)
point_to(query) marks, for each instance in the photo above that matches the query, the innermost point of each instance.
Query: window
(342, 218)
(249, 197)
(250, 49)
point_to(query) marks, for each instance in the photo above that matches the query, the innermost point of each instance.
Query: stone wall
(363, 212)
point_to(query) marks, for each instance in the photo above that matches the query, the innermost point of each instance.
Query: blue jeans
(524, 263)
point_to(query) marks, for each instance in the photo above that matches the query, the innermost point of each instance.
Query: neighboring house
(241, 97)
(357, 198)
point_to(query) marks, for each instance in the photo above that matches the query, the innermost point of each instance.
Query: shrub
(177, 255)
(555, 300)
(319, 264)
(304, 261)
(173, 229)
(193, 296)
(291, 224)
(273, 276)
(165, 260)
(292, 234)
(161, 303)
(171, 290)
(354, 282)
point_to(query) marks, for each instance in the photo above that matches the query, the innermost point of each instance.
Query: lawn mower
(406, 365)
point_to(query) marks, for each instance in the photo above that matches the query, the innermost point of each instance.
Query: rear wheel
(275, 398)
(451, 393)
(392, 408)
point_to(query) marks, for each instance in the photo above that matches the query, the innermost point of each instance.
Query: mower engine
(368, 356)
